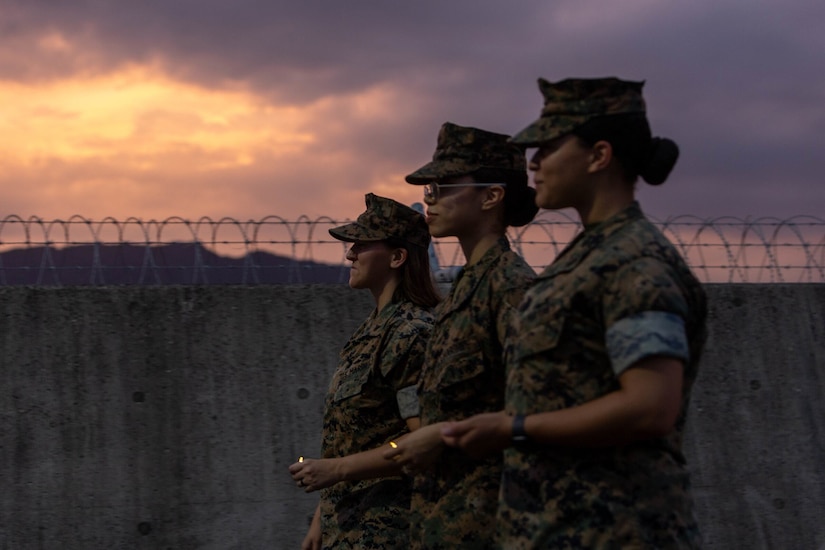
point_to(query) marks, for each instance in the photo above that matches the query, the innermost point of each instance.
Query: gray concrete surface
(756, 431)
(155, 418)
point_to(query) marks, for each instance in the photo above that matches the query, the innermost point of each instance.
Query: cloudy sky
(250, 108)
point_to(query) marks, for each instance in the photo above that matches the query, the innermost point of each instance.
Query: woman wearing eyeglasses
(475, 187)
(372, 397)
(605, 347)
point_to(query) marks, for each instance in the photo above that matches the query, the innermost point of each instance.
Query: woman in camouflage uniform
(476, 186)
(605, 346)
(372, 398)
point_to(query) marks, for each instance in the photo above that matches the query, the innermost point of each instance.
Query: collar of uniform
(589, 239)
(380, 318)
(375, 323)
(469, 277)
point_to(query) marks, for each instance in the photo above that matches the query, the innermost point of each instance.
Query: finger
(448, 428)
(449, 440)
(395, 450)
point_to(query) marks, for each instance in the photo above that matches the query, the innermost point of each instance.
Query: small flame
(300, 459)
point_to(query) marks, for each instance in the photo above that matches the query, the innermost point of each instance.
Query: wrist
(341, 469)
(518, 433)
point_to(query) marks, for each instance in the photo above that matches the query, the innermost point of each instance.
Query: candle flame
(300, 459)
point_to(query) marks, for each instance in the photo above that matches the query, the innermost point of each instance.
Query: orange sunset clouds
(137, 142)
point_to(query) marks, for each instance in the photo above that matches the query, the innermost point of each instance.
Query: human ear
(493, 196)
(398, 257)
(601, 153)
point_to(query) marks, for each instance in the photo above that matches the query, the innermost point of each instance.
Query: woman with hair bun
(604, 348)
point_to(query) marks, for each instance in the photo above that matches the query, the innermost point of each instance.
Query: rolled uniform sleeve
(408, 406)
(645, 311)
(401, 362)
(644, 335)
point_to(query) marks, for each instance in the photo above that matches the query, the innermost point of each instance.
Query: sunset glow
(249, 110)
(115, 137)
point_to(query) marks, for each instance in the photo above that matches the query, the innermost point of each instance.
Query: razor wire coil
(81, 251)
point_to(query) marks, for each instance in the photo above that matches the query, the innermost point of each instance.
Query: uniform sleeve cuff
(408, 402)
(646, 334)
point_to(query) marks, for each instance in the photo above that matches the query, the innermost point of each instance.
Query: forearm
(646, 405)
(312, 540)
(369, 464)
(607, 421)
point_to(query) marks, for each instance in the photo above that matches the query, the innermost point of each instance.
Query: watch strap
(519, 436)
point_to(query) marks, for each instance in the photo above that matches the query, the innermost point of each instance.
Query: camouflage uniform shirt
(618, 293)
(371, 394)
(454, 504)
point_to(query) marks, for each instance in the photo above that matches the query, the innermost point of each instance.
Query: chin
(437, 233)
(546, 203)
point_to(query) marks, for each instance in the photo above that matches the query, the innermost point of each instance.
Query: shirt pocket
(464, 378)
(539, 336)
(351, 384)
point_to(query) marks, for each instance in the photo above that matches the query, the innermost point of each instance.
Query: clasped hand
(480, 435)
(416, 451)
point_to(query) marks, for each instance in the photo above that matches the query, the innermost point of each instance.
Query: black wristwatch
(519, 435)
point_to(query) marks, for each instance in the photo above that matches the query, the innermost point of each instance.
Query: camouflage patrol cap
(385, 219)
(570, 103)
(462, 150)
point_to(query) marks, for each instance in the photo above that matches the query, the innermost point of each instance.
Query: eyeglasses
(359, 247)
(432, 190)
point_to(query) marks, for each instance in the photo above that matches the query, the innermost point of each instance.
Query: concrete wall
(756, 438)
(160, 418)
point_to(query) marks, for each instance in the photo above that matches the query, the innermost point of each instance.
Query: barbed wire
(277, 250)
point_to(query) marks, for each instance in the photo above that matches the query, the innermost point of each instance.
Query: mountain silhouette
(169, 264)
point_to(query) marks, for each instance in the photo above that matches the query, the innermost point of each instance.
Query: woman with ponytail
(364, 499)
(604, 347)
(475, 188)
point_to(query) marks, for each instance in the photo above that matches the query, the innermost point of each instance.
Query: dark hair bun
(521, 208)
(662, 157)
